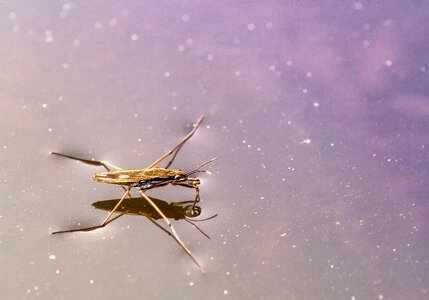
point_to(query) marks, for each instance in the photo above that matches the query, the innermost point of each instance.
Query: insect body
(146, 179)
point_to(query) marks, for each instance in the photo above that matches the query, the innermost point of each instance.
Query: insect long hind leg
(105, 221)
(179, 146)
(104, 164)
(173, 231)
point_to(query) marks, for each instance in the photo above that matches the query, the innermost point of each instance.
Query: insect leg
(105, 221)
(104, 164)
(194, 185)
(179, 146)
(173, 231)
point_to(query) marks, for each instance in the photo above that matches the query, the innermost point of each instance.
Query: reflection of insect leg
(172, 230)
(192, 186)
(105, 221)
(104, 164)
(179, 146)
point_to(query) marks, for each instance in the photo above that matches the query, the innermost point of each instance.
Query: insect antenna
(197, 169)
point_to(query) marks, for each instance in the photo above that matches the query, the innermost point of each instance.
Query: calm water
(319, 114)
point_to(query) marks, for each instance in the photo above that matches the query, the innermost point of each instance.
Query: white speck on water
(113, 22)
(272, 68)
(98, 25)
(28, 291)
(185, 18)
(331, 266)
(181, 48)
(293, 246)
(332, 144)
(237, 73)
(57, 272)
(251, 27)
(423, 69)
(289, 63)
(210, 57)
(125, 12)
(49, 39)
(66, 6)
(380, 297)
(134, 37)
(388, 22)
(305, 91)
(389, 63)
(358, 5)
(283, 234)
(316, 104)
(167, 74)
(12, 16)
(36, 288)
(243, 141)
(91, 281)
(44, 105)
(191, 283)
(50, 129)
(309, 74)
(52, 257)
(306, 141)
(174, 107)
(225, 292)
(337, 223)
(136, 115)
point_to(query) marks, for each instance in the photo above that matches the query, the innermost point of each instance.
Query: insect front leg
(193, 185)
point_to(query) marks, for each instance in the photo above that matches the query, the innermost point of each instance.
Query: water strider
(146, 179)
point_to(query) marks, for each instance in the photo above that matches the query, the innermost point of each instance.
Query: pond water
(318, 114)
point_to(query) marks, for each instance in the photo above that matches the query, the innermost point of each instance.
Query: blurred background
(318, 112)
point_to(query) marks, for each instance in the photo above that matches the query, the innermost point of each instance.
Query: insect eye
(177, 177)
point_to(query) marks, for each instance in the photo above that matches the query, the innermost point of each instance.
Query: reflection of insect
(173, 210)
(145, 179)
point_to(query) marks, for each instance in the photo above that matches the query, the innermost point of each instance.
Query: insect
(146, 179)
